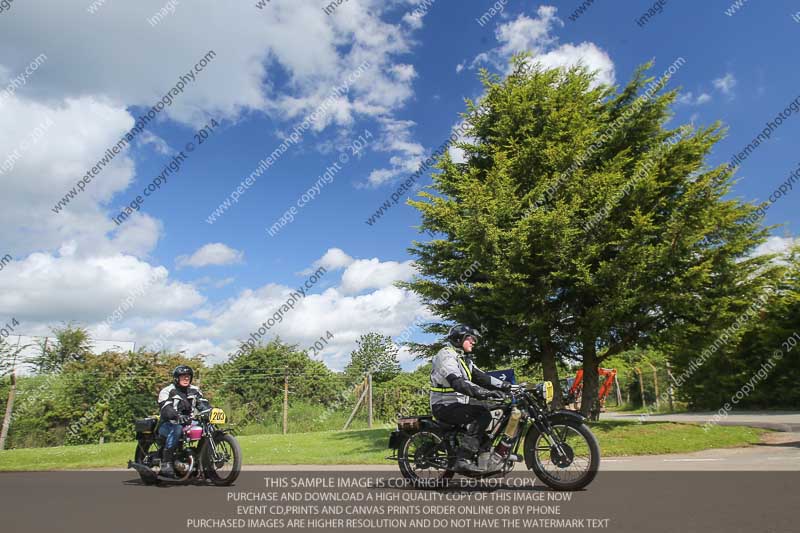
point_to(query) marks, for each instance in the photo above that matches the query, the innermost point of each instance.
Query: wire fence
(257, 400)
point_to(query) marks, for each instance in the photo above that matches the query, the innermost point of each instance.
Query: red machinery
(575, 392)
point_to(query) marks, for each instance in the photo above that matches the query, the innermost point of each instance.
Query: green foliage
(71, 343)
(100, 395)
(251, 383)
(376, 353)
(549, 151)
(406, 394)
(749, 356)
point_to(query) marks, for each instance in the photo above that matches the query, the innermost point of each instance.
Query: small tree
(377, 354)
(72, 343)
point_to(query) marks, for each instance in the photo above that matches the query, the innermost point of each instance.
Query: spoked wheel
(425, 458)
(569, 462)
(223, 462)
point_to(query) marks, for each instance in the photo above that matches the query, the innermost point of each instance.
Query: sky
(305, 117)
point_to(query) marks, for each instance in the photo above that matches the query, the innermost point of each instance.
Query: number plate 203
(217, 416)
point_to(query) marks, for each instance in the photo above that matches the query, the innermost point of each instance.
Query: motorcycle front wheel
(222, 462)
(568, 460)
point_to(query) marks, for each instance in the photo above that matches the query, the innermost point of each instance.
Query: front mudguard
(223, 431)
(563, 415)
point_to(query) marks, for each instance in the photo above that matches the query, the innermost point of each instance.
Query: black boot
(166, 463)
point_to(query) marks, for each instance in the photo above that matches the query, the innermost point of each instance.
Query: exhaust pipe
(144, 471)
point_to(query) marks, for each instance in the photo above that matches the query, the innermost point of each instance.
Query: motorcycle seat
(441, 424)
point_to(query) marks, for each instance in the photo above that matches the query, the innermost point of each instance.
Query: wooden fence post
(641, 385)
(9, 408)
(369, 408)
(286, 401)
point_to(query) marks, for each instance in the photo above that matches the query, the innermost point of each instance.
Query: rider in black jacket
(176, 402)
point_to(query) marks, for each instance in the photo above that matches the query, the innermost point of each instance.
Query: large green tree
(596, 227)
(752, 346)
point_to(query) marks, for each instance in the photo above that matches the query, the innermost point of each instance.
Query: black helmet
(459, 332)
(182, 369)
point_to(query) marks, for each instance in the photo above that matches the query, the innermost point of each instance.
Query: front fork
(545, 428)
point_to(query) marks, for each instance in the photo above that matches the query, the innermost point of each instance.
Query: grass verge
(617, 438)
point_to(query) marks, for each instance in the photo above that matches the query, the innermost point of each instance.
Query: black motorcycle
(205, 451)
(557, 446)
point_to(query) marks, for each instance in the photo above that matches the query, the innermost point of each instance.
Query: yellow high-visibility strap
(442, 389)
(466, 369)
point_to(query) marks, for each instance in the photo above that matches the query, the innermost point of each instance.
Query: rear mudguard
(397, 438)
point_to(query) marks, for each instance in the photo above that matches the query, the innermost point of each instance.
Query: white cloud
(50, 288)
(79, 265)
(688, 98)
(211, 254)
(588, 54)
(775, 245)
(159, 144)
(535, 35)
(372, 274)
(334, 259)
(396, 137)
(365, 300)
(525, 33)
(82, 129)
(725, 84)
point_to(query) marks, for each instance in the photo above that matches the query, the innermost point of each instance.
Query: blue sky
(216, 283)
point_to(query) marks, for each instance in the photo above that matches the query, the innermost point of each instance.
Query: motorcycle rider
(175, 402)
(454, 381)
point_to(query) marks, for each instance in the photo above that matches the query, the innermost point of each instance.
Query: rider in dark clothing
(454, 381)
(176, 402)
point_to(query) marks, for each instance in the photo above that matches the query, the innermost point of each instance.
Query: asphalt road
(775, 420)
(778, 452)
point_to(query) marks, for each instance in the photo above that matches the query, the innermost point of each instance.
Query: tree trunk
(550, 371)
(591, 380)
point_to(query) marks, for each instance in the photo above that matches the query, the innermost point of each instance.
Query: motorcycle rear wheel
(142, 450)
(415, 454)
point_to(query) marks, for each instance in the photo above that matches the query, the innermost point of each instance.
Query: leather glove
(506, 386)
(496, 395)
(183, 420)
(484, 394)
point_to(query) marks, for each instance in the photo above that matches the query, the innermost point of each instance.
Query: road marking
(689, 460)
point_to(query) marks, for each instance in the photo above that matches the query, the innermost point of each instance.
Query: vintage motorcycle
(205, 451)
(557, 446)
